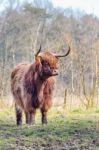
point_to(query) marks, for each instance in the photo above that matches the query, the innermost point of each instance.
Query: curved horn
(63, 55)
(38, 51)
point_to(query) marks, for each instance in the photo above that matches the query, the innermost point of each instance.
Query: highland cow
(32, 86)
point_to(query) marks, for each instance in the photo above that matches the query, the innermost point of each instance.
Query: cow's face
(48, 64)
(49, 68)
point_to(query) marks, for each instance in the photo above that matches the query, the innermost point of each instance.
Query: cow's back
(19, 70)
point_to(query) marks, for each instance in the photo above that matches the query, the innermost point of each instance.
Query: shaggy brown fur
(32, 87)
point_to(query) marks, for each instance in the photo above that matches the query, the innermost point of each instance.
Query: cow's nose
(55, 72)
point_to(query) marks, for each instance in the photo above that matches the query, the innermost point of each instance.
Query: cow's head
(47, 63)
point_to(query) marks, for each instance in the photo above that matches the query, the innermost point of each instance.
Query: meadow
(77, 130)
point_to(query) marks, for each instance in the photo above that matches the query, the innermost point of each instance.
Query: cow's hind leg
(18, 115)
(44, 116)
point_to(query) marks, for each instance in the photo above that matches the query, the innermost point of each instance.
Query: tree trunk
(65, 99)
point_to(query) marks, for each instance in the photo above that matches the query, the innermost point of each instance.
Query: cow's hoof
(19, 123)
(44, 121)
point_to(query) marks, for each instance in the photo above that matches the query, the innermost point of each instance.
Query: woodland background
(25, 26)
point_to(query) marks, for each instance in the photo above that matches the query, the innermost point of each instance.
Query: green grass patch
(73, 131)
(78, 111)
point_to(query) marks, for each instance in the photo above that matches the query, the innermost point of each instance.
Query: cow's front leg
(44, 116)
(30, 117)
(27, 116)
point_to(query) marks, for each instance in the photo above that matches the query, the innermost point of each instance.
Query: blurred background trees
(24, 26)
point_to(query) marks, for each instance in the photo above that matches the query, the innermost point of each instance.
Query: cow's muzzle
(55, 73)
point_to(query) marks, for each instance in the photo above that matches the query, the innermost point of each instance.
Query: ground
(74, 131)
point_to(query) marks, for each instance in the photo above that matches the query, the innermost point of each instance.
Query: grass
(73, 131)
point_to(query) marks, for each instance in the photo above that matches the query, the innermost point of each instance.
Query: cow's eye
(45, 63)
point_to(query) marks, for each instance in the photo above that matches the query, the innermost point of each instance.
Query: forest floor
(74, 131)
